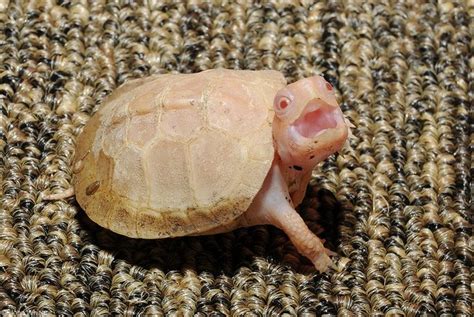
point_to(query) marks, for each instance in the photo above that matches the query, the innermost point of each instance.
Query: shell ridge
(146, 151)
(205, 95)
(187, 158)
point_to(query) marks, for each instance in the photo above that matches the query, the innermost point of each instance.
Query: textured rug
(395, 204)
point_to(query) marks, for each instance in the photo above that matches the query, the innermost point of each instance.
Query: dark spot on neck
(297, 167)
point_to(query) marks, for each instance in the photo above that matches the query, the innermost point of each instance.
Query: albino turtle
(191, 154)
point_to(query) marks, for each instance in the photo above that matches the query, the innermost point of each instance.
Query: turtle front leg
(273, 205)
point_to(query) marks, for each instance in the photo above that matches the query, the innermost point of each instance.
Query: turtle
(172, 155)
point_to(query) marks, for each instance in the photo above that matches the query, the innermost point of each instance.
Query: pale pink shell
(177, 154)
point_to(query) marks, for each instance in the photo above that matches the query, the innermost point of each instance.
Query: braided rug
(395, 204)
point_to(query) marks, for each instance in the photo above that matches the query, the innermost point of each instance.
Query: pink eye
(283, 103)
(329, 86)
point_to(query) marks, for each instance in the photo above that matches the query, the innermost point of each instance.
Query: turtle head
(309, 124)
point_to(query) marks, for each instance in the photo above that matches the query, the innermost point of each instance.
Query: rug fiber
(395, 203)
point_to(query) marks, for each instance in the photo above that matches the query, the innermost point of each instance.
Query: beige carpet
(395, 205)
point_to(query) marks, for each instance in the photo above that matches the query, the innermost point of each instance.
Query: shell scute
(207, 169)
(182, 124)
(143, 104)
(123, 220)
(184, 91)
(142, 129)
(129, 174)
(167, 175)
(234, 111)
(112, 141)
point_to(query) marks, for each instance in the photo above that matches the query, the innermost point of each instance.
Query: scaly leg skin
(273, 206)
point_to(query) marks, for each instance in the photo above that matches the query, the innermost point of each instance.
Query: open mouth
(316, 120)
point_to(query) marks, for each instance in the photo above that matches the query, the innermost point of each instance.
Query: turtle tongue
(315, 120)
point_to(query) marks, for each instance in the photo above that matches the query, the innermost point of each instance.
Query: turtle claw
(322, 262)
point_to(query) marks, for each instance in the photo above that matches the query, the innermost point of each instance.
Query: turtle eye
(282, 104)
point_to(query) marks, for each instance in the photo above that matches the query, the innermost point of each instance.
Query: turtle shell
(177, 154)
